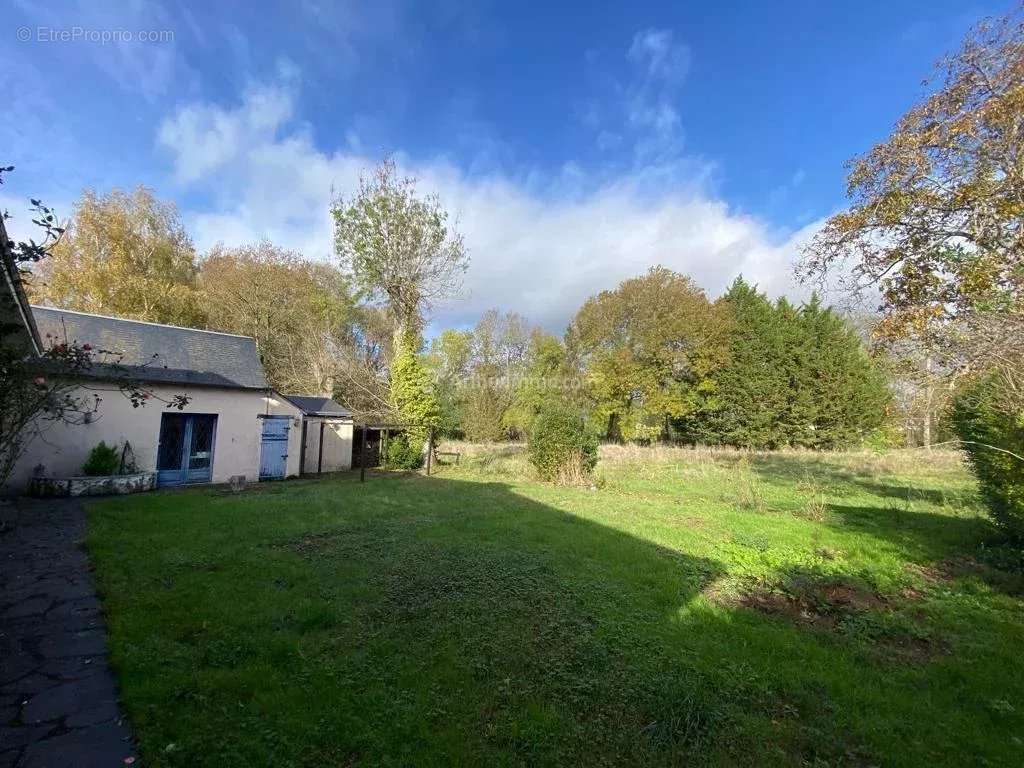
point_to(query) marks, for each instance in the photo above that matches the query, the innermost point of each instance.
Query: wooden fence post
(430, 449)
(362, 457)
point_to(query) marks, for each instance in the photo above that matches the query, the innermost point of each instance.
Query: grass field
(693, 608)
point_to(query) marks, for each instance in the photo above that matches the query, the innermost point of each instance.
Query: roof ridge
(140, 322)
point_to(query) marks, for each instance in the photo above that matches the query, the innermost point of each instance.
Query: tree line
(655, 361)
(650, 360)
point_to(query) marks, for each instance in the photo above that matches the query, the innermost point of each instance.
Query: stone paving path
(58, 697)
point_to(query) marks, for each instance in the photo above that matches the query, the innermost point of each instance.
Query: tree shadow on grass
(432, 621)
(405, 620)
(921, 536)
(911, 493)
(785, 470)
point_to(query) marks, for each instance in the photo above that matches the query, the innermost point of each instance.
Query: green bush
(985, 426)
(560, 448)
(885, 437)
(103, 460)
(404, 453)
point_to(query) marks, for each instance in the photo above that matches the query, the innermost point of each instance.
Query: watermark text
(77, 34)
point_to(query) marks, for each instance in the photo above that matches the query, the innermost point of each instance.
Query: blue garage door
(274, 447)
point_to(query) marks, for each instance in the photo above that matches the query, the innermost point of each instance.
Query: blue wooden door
(274, 447)
(185, 452)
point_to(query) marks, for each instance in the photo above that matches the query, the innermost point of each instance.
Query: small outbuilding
(326, 437)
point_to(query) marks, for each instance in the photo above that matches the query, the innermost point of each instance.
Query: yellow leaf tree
(125, 254)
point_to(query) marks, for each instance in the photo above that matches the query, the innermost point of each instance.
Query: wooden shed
(326, 444)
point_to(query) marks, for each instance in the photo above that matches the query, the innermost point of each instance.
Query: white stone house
(234, 424)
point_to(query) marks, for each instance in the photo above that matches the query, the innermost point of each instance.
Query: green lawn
(694, 608)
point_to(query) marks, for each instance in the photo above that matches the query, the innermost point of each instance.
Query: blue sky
(576, 144)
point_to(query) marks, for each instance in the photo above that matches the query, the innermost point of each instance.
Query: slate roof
(159, 353)
(314, 405)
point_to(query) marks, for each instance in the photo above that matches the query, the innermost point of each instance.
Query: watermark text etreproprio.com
(76, 34)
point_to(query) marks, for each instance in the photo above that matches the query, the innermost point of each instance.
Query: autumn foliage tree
(936, 222)
(124, 254)
(302, 314)
(936, 228)
(649, 348)
(64, 380)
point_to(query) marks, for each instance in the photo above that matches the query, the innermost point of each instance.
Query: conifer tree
(752, 386)
(795, 377)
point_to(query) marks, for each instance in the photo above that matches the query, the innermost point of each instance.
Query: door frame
(264, 417)
(186, 453)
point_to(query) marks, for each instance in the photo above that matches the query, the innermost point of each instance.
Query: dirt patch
(810, 603)
(844, 609)
(909, 648)
(823, 606)
(946, 572)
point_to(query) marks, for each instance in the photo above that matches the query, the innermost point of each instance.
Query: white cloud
(660, 55)
(661, 67)
(640, 106)
(205, 137)
(537, 248)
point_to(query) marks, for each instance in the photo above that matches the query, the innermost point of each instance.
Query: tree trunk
(929, 393)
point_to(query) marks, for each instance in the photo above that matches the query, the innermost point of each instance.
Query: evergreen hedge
(984, 426)
(794, 377)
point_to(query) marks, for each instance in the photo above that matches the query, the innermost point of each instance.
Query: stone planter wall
(43, 487)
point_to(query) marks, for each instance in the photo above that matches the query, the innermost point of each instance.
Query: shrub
(986, 427)
(404, 453)
(884, 438)
(560, 447)
(103, 460)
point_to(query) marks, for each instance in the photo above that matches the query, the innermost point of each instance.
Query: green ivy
(412, 390)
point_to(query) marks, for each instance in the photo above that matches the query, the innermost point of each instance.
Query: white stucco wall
(63, 448)
(337, 444)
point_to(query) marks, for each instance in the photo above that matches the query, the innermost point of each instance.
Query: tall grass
(509, 459)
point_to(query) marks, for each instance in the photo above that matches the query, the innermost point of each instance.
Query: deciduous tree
(400, 246)
(936, 221)
(449, 363)
(124, 254)
(300, 313)
(498, 362)
(40, 387)
(649, 348)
